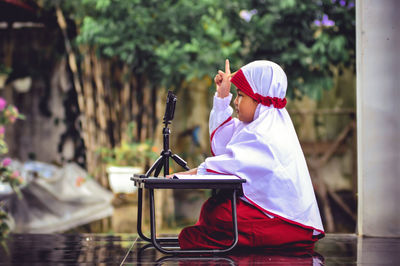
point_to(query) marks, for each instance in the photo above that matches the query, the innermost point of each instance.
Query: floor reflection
(68, 249)
(88, 249)
(144, 254)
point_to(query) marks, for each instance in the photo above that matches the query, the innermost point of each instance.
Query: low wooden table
(151, 183)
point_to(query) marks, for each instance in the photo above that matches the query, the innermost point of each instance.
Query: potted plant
(8, 115)
(128, 158)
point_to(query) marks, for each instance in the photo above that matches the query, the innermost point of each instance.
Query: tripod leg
(159, 167)
(166, 166)
(155, 165)
(180, 161)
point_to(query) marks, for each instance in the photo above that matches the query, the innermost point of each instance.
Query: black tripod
(163, 160)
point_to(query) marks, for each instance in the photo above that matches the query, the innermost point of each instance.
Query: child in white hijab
(278, 208)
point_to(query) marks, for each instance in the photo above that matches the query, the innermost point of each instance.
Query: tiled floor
(89, 249)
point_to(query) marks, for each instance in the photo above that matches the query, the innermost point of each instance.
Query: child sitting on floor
(278, 208)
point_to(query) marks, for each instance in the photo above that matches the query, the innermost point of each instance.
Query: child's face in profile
(245, 107)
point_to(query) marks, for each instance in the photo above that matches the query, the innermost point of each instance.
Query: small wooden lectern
(151, 183)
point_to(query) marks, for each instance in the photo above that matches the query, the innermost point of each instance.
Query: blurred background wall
(378, 109)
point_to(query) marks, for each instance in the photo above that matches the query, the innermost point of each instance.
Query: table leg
(175, 250)
(139, 216)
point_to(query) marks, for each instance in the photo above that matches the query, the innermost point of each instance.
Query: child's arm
(221, 122)
(221, 110)
(192, 171)
(220, 113)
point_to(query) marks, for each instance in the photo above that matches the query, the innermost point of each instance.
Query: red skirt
(214, 229)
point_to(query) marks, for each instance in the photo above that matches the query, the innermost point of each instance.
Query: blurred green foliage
(167, 41)
(172, 41)
(129, 152)
(295, 35)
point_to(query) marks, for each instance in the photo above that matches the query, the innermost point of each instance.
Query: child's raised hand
(223, 81)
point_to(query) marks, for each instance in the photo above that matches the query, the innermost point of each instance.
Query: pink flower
(11, 113)
(15, 110)
(15, 175)
(6, 162)
(2, 130)
(3, 103)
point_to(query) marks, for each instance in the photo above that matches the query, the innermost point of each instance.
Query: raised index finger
(227, 67)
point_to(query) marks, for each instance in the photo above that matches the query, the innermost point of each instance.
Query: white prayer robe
(266, 152)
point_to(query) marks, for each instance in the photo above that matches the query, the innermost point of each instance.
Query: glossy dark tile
(95, 249)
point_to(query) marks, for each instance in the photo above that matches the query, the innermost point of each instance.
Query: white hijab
(266, 152)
